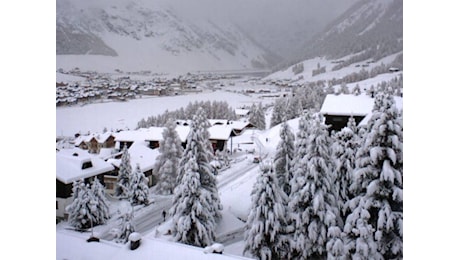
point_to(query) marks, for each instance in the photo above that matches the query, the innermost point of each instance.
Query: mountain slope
(137, 35)
(374, 27)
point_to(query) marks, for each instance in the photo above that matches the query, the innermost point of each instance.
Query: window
(86, 165)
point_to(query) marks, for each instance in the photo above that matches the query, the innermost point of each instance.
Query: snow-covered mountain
(150, 35)
(373, 28)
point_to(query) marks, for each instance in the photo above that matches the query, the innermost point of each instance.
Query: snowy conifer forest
(302, 159)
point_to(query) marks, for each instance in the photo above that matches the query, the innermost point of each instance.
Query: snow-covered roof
(346, 105)
(241, 112)
(239, 125)
(101, 138)
(140, 154)
(132, 135)
(155, 133)
(69, 165)
(218, 121)
(220, 132)
(150, 248)
(183, 132)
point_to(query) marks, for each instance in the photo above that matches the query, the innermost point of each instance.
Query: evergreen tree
(81, 209)
(138, 188)
(196, 204)
(356, 90)
(124, 173)
(344, 89)
(283, 158)
(193, 221)
(168, 160)
(335, 245)
(344, 151)
(313, 202)
(264, 227)
(204, 154)
(293, 108)
(126, 227)
(359, 235)
(279, 111)
(260, 117)
(102, 213)
(257, 116)
(301, 145)
(379, 176)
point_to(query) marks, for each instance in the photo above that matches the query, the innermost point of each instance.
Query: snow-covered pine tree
(356, 90)
(196, 204)
(279, 112)
(257, 116)
(313, 202)
(283, 158)
(264, 227)
(260, 118)
(168, 160)
(344, 89)
(124, 173)
(359, 242)
(301, 145)
(203, 151)
(293, 108)
(335, 245)
(379, 176)
(126, 227)
(138, 189)
(102, 213)
(343, 152)
(81, 208)
(193, 221)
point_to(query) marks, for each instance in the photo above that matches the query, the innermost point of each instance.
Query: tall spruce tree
(168, 160)
(313, 202)
(301, 145)
(284, 156)
(264, 228)
(359, 242)
(260, 117)
(82, 207)
(279, 112)
(379, 176)
(138, 189)
(102, 213)
(196, 202)
(204, 152)
(343, 152)
(257, 116)
(124, 173)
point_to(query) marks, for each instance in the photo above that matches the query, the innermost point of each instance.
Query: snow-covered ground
(234, 183)
(126, 115)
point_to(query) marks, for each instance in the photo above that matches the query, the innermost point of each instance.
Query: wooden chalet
(337, 109)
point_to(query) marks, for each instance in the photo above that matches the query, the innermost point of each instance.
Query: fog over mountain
(184, 35)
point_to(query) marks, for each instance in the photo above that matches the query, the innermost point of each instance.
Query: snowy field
(126, 115)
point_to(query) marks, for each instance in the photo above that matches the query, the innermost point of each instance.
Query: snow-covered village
(247, 149)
